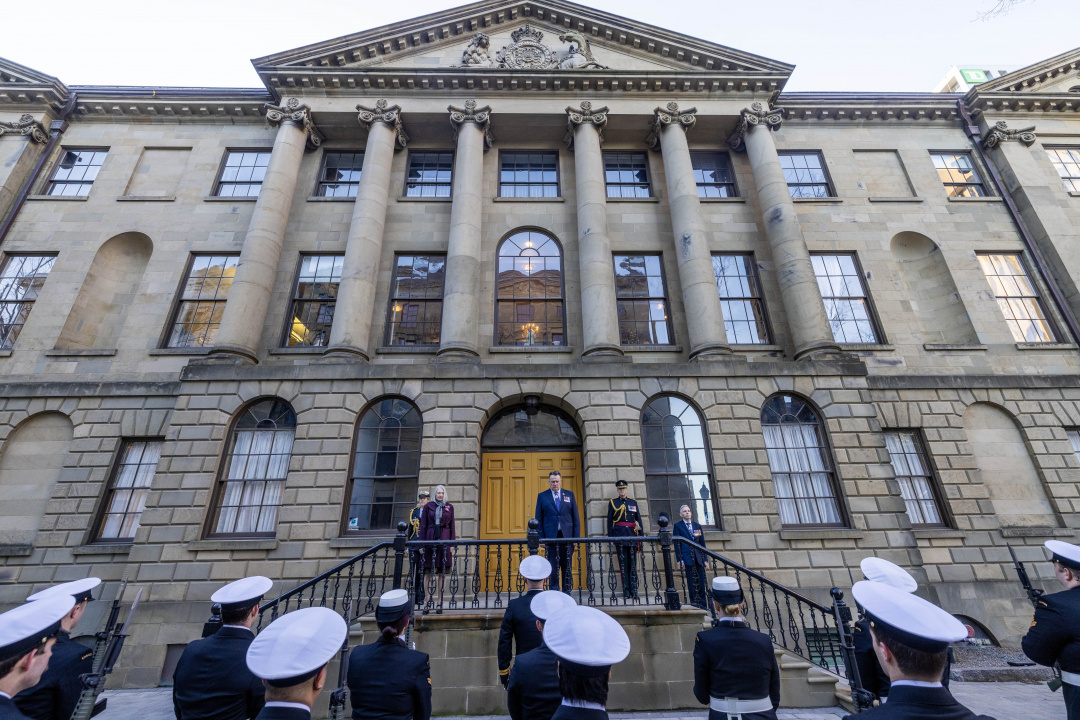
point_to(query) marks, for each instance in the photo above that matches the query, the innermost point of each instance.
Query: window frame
(322, 168)
(875, 322)
(562, 287)
(216, 189)
(49, 179)
(408, 166)
(391, 297)
(830, 186)
(98, 525)
(178, 299)
(933, 479)
(731, 166)
(770, 335)
(1034, 279)
(672, 342)
(979, 170)
(1065, 179)
(648, 175)
(283, 343)
(5, 257)
(558, 175)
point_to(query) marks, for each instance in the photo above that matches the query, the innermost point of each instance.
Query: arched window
(677, 467)
(256, 466)
(803, 477)
(386, 466)
(529, 296)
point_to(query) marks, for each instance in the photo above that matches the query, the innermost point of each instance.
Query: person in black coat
(413, 534)
(691, 560)
(27, 636)
(437, 523)
(519, 626)
(212, 681)
(533, 692)
(387, 680)
(1054, 635)
(735, 670)
(623, 520)
(557, 513)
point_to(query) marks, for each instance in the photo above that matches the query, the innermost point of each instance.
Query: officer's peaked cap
(296, 646)
(883, 571)
(78, 589)
(242, 593)
(29, 625)
(549, 602)
(535, 568)
(907, 618)
(587, 641)
(1065, 553)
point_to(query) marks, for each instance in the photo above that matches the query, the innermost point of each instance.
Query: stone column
(599, 313)
(350, 335)
(461, 302)
(249, 297)
(805, 310)
(704, 314)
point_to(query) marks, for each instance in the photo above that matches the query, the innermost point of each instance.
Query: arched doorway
(521, 445)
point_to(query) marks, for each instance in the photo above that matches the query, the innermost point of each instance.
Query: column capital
(670, 115)
(582, 116)
(384, 113)
(1001, 133)
(297, 113)
(481, 117)
(756, 114)
(28, 126)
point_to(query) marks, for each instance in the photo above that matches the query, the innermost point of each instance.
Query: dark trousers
(1072, 701)
(418, 580)
(695, 583)
(561, 557)
(628, 568)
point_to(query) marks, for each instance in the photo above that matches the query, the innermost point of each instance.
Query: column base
(817, 349)
(711, 351)
(232, 354)
(604, 354)
(342, 354)
(457, 354)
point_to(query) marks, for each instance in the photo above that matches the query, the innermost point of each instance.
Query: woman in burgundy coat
(437, 523)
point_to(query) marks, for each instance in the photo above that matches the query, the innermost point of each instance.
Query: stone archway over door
(31, 462)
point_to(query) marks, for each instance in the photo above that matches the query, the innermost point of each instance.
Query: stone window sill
(1074, 193)
(16, 549)
(821, 534)
(940, 532)
(755, 347)
(218, 198)
(180, 351)
(822, 201)
(80, 353)
(989, 199)
(325, 198)
(245, 544)
(633, 200)
(652, 348)
(530, 200)
(103, 549)
(867, 346)
(359, 541)
(407, 349)
(298, 351)
(5, 353)
(65, 198)
(896, 199)
(1047, 346)
(943, 347)
(1037, 532)
(722, 200)
(528, 349)
(146, 198)
(426, 199)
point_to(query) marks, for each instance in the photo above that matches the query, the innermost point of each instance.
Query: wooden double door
(510, 482)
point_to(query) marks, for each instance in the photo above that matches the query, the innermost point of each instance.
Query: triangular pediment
(12, 73)
(26, 87)
(1056, 75)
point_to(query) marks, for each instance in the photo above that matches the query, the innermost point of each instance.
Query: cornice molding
(481, 117)
(295, 112)
(584, 115)
(388, 114)
(1023, 103)
(26, 126)
(1000, 133)
(669, 115)
(756, 114)
(1028, 79)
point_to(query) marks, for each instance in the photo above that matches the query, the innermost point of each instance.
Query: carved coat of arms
(528, 52)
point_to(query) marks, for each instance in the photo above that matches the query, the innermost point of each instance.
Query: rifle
(337, 697)
(102, 638)
(861, 698)
(94, 682)
(1033, 595)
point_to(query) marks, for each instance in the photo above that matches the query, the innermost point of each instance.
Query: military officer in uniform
(911, 638)
(1054, 636)
(735, 670)
(387, 680)
(290, 656)
(211, 681)
(57, 693)
(414, 531)
(624, 520)
(871, 674)
(587, 643)
(519, 626)
(27, 636)
(533, 692)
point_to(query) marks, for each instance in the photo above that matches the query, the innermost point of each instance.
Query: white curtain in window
(914, 478)
(257, 472)
(800, 475)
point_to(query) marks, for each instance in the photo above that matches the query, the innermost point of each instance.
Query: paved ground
(1004, 701)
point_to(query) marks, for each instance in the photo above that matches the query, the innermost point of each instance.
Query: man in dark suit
(519, 626)
(533, 691)
(1054, 635)
(557, 513)
(691, 560)
(212, 680)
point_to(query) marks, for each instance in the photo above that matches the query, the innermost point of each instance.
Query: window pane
(846, 303)
(677, 470)
(912, 471)
(1067, 163)
(429, 174)
(76, 172)
(644, 315)
(340, 174)
(627, 174)
(740, 299)
(805, 174)
(126, 496)
(958, 175)
(1018, 298)
(21, 279)
(803, 477)
(529, 307)
(415, 313)
(242, 174)
(314, 298)
(528, 174)
(384, 483)
(202, 301)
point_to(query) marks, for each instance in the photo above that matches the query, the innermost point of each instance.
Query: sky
(836, 45)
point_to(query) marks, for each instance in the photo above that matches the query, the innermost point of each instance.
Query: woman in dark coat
(437, 523)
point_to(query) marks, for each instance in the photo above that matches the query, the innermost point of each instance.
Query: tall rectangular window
(1067, 162)
(242, 173)
(805, 174)
(529, 174)
(912, 470)
(1017, 297)
(713, 174)
(202, 301)
(416, 291)
(340, 176)
(740, 299)
(126, 496)
(958, 175)
(641, 295)
(626, 174)
(76, 172)
(1074, 439)
(314, 297)
(846, 301)
(430, 174)
(21, 278)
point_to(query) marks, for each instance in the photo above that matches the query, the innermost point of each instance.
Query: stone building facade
(866, 302)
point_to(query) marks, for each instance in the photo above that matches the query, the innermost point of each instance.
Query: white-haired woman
(437, 523)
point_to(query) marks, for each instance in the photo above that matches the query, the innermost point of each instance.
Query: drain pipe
(973, 133)
(56, 129)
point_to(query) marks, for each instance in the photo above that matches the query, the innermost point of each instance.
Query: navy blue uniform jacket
(533, 693)
(565, 712)
(551, 522)
(10, 711)
(734, 660)
(1054, 636)
(388, 681)
(284, 713)
(57, 693)
(916, 703)
(519, 627)
(212, 680)
(687, 554)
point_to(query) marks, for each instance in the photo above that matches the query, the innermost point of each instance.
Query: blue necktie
(558, 502)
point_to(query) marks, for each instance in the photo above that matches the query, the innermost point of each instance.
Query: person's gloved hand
(505, 680)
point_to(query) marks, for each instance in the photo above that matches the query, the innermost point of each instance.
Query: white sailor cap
(393, 604)
(1065, 553)
(883, 571)
(78, 589)
(586, 640)
(29, 625)
(296, 646)
(549, 602)
(907, 618)
(535, 568)
(242, 593)
(726, 591)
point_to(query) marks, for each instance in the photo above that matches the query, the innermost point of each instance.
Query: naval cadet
(519, 627)
(27, 636)
(1054, 636)
(533, 692)
(291, 655)
(414, 532)
(735, 670)
(212, 681)
(624, 520)
(57, 693)
(871, 674)
(587, 643)
(911, 638)
(387, 680)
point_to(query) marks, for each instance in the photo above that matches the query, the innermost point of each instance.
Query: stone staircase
(804, 685)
